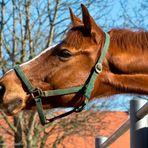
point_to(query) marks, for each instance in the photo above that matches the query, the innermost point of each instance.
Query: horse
(124, 68)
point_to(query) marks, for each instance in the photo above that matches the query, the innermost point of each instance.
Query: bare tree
(29, 26)
(1, 32)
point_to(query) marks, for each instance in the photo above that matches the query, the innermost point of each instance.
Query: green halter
(86, 89)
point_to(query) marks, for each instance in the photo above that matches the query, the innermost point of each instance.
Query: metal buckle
(36, 93)
(98, 67)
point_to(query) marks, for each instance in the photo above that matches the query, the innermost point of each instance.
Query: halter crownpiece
(86, 89)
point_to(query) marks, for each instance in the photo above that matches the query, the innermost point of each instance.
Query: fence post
(138, 127)
(99, 140)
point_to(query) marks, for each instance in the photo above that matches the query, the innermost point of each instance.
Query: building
(79, 130)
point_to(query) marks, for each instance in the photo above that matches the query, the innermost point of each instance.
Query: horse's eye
(64, 54)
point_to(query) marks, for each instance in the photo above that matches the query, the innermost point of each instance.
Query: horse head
(64, 65)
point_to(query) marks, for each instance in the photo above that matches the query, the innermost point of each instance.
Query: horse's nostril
(19, 101)
(0, 88)
(2, 91)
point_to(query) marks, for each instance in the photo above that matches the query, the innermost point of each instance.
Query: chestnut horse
(70, 63)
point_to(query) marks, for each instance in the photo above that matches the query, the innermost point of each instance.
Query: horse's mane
(75, 37)
(123, 39)
(126, 39)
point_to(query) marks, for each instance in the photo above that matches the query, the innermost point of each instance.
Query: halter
(37, 94)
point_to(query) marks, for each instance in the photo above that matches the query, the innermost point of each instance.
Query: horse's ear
(74, 19)
(90, 25)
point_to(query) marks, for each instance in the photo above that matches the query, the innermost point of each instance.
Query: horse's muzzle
(13, 107)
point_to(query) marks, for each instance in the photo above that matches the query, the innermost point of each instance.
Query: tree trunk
(18, 134)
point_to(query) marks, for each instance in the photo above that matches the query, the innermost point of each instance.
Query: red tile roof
(99, 123)
(108, 124)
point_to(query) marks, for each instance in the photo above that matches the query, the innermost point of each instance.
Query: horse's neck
(125, 71)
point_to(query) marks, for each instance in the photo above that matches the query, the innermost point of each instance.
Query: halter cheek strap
(86, 89)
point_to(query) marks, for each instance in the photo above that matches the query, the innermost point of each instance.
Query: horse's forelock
(77, 37)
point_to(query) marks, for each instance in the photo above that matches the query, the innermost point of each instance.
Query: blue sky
(134, 11)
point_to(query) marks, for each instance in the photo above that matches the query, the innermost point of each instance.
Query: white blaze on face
(43, 52)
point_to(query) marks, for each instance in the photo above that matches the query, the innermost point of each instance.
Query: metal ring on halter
(36, 93)
(98, 67)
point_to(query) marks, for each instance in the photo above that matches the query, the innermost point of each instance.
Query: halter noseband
(86, 89)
